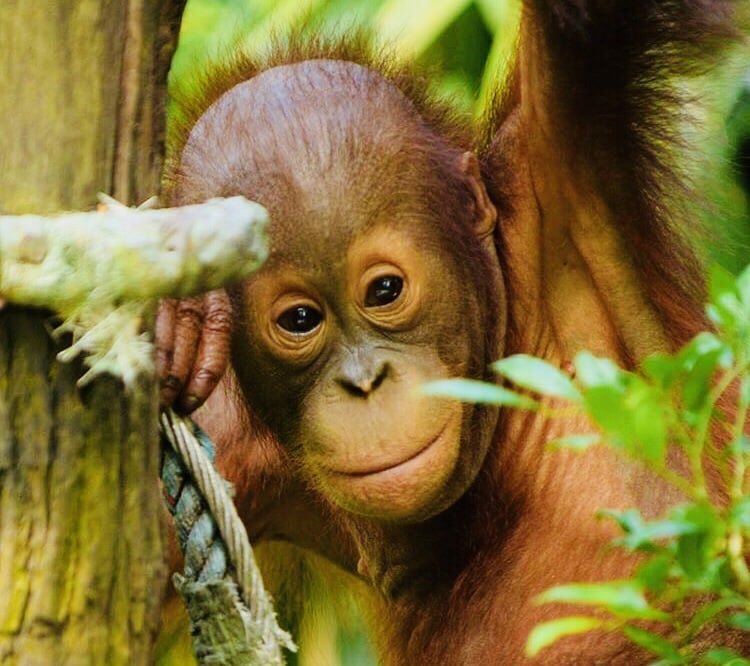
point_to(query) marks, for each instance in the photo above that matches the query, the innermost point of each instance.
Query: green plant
(693, 571)
(471, 41)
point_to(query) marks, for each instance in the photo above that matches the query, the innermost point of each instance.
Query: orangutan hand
(192, 348)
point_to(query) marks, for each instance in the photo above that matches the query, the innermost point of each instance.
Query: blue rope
(223, 629)
(204, 551)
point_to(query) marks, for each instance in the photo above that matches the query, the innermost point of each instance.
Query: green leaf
(645, 536)
(653, 574)
(662, 369)
(703, 344)
(697, 386)
(709, 611)
(629, 521)
(725, 657)
(654, 643)
(615, 593)
(721, 283)
(575, 442)
(700, 526)
(740, 513)
(592, 371)
(730, 310)
(470, 390)
(605, 404)
(745, 390)
(546, 633)
(740, 445)
(692, 554)
(537, 375)
(649, 426)
(622, 598)
(743, 284)
(700, 517)
(740, 621)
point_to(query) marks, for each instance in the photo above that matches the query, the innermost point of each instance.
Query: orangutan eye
(383, 291)
(300, 319)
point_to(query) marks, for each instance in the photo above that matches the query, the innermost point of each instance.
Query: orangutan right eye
(300, 320)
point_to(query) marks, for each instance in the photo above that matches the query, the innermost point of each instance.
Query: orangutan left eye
(383, 291)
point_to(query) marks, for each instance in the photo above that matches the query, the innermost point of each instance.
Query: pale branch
(122, 253)
(104, 271)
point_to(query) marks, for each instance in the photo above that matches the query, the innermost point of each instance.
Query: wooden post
(81, 544)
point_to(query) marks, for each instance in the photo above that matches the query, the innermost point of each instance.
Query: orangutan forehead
(318, 111)
(333, 85)
(303, 134)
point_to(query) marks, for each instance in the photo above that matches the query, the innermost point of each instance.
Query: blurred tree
(81, 549)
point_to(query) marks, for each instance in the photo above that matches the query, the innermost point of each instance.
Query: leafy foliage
(693, 573)
(471, 40)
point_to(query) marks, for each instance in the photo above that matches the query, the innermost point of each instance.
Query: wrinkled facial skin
(366, 296)
(345, 395)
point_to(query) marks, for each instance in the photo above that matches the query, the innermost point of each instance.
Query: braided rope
(205, 557)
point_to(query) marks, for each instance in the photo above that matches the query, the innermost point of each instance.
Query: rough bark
(80, 536)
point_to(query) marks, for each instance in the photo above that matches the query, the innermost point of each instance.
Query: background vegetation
(471, 42)
(469, 39)
(693, 574)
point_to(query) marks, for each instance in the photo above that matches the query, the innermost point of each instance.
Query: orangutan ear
(485, 216)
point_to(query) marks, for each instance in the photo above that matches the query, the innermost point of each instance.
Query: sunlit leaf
(415, 24)
(699, 361)
(546, 633)
(721, 283)
(663, 369)
(592, 371)
(701, 516)
(649, 426)
(743, 285)
(470, 390)
(745, 390)
(645, 536)
(703, 344)
(537, 375)
(741, 512)
(623, 598)
(606, 405)
(730, 310)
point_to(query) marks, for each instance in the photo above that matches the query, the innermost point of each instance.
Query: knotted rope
(231, 615)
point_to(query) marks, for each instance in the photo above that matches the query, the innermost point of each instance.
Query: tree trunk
(81, 546)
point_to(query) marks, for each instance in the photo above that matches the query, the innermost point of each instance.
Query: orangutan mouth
(414, 460)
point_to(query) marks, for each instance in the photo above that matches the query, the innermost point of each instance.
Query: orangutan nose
(362, 375)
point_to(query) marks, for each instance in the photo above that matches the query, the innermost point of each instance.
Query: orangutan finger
(213, 351)
(164, 335)
(164, 344)
(188, 324)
